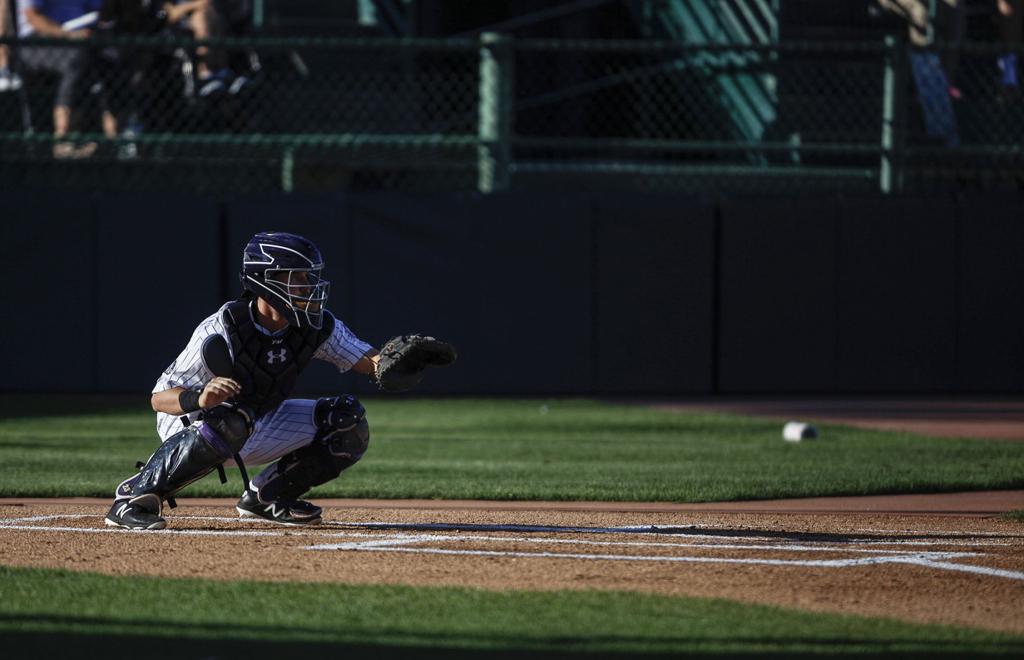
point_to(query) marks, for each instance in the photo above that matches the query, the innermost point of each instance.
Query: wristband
(189, 401)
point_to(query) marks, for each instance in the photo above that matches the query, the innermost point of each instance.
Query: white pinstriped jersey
(342, 349)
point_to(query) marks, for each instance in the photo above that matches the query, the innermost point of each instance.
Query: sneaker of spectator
(72, 151)
(129, 148)
(240, 85)
(9, 80)
(214, 83)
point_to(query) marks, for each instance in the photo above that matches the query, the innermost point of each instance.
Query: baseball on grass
(797, 431)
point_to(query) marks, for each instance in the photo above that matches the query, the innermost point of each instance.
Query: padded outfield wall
(543, 293)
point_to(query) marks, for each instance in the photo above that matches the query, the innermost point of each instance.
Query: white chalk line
(716, 540)
(117, 530)
(648, 529)
(780, 547)
(405, 539)
(813, 563)
(944, 532)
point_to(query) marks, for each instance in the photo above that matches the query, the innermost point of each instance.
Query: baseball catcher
(225, 399)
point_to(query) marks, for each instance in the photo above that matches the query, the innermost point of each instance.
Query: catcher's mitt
(404, 359)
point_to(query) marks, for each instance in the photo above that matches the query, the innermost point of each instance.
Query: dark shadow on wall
(62, 405)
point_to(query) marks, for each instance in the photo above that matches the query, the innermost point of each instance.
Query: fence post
(288, 170)
(367, 13)
(885, 168)
(495, 113)
(258, 14)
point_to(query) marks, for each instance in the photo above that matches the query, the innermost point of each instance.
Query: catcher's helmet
(284, 269)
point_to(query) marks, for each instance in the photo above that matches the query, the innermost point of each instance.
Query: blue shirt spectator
(46, 18)
(58, 11)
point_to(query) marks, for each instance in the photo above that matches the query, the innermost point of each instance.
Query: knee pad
(341, 428)
(339, 413)
(317, 463)
(227, 427)
(347, 447)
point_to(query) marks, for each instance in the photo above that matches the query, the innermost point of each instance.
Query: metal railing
(494, 113)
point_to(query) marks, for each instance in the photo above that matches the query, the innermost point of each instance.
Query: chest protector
(267, 366)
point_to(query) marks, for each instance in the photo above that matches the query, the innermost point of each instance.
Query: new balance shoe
(295, 513)
(142, 512)
(304, 509)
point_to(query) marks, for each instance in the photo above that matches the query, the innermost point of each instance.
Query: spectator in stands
(47, 18)
(9, 80)
(128, 69)
(929, 77)
(144, 17)
(206, 22)
(1009, 24)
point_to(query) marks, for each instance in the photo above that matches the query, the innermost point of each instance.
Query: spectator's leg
(71, 64)
(1008, 70)
(1009, 21)
(205, 24)
(936, 108)
(5, 29)
(5, 19)
(109, 124)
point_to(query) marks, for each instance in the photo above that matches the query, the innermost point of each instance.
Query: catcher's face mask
(303, 291)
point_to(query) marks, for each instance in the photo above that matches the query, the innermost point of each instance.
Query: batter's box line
(638, 530)
(781, 547)
(946, 532)
(916, 560)
(20, 524)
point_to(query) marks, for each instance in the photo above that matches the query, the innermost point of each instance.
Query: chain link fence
(494, 113)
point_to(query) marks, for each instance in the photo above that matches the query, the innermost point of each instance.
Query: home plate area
(936, 569)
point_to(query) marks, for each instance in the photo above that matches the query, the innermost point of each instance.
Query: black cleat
(304, 509)
(142, 512)
(295, 513)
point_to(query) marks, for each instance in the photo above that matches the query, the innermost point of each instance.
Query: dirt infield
(952, 569)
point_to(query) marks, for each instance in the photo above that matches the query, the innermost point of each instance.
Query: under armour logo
(271, 358)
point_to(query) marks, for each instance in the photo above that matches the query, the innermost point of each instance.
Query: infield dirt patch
(963, 570)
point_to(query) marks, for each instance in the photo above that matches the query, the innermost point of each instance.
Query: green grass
(1014, 516)
(534, 449)
(45, 612)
